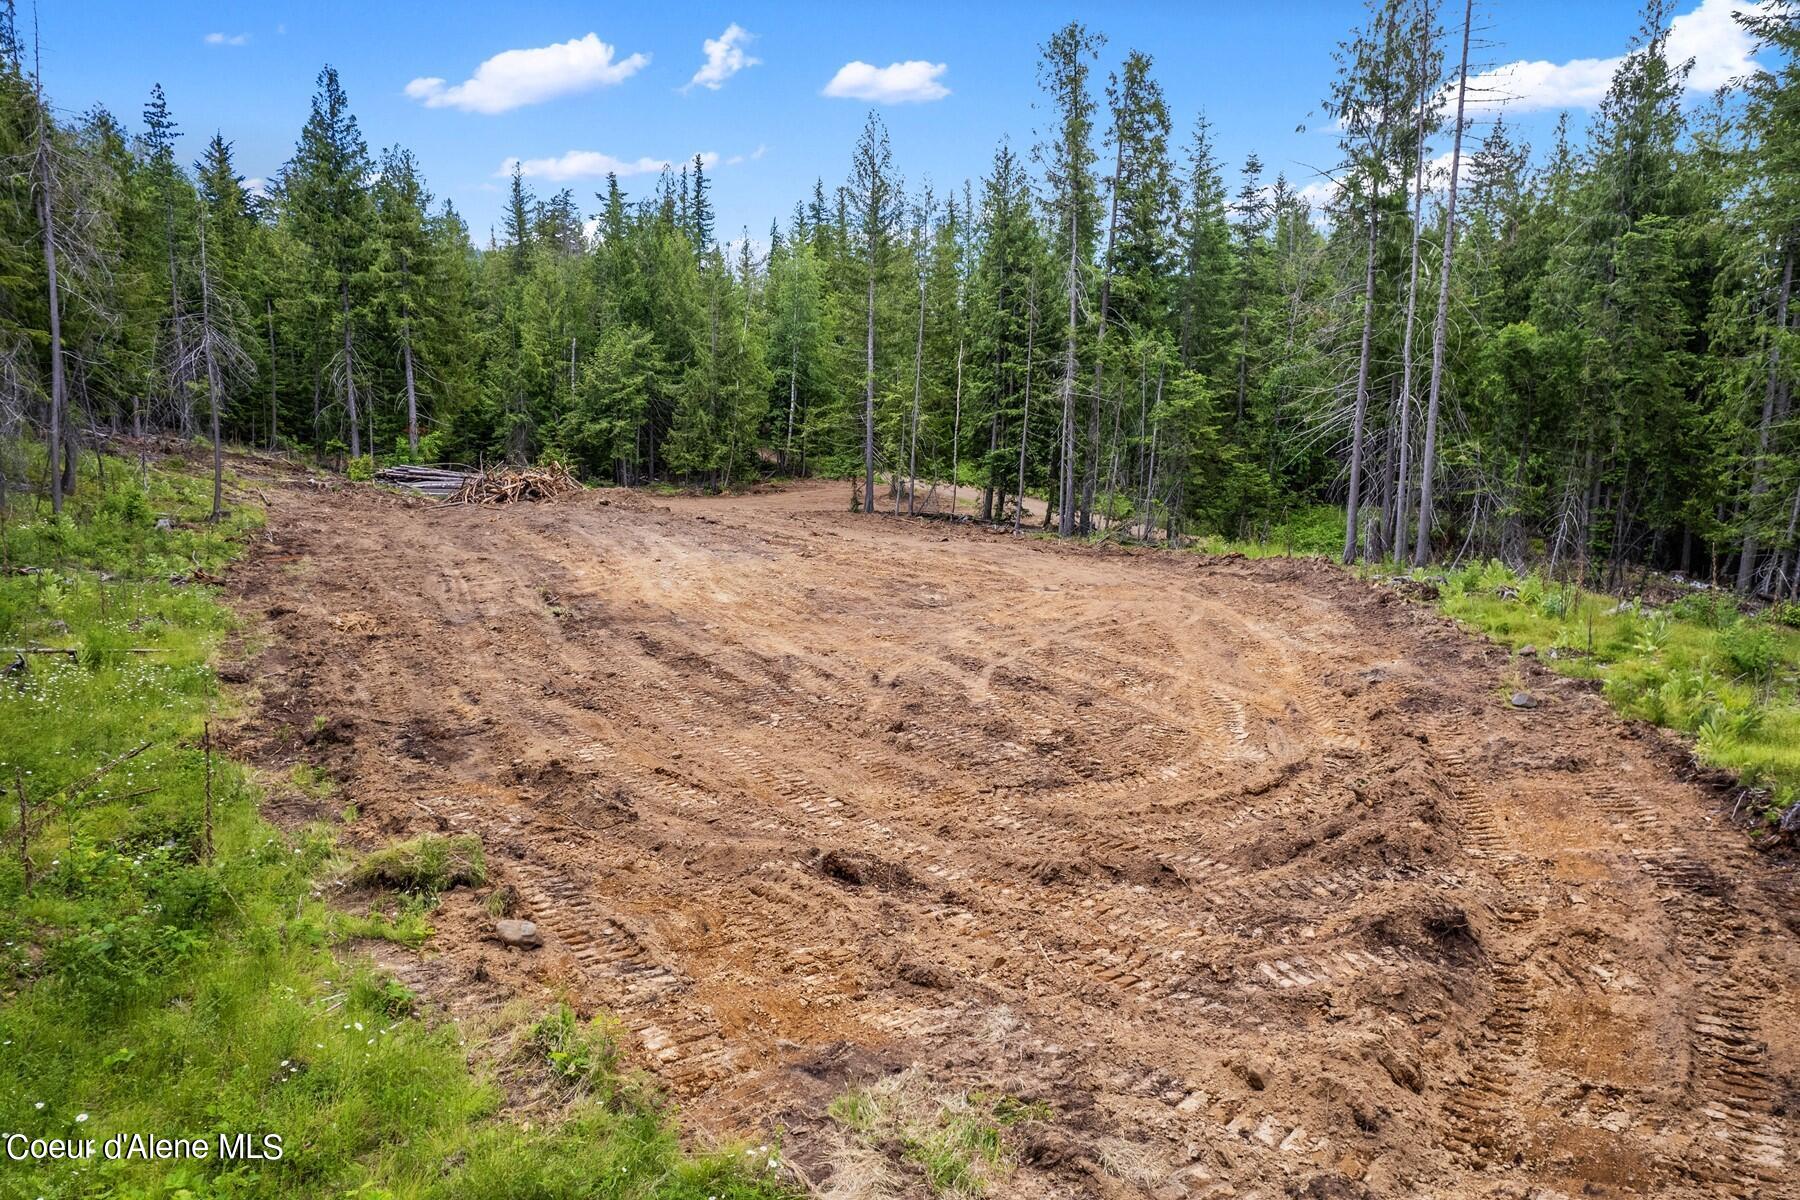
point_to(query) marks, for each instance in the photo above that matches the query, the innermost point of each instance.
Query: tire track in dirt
(1247, 867)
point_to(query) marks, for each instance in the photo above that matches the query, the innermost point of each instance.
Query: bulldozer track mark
(1187, 846)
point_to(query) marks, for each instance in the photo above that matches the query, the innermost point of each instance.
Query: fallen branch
(73, 652)
(98, 773)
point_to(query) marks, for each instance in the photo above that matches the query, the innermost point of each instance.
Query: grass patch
(166, 973)
(408, 925)
(1699, 666)
(1309, 530)
(427, 864)
(958, 1143)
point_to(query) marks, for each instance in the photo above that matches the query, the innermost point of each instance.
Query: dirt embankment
(1249, 871)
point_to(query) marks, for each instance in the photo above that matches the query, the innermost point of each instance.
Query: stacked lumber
(505, 485)
(438, 482)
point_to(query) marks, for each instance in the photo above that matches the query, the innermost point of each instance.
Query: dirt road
(1249, 870)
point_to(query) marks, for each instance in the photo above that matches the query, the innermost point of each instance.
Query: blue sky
(777, 92)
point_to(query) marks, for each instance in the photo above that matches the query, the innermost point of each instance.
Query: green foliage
(1715, 609)
(1751, 648)
(583, 1056)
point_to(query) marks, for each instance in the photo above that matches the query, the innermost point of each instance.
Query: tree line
(1582, 354)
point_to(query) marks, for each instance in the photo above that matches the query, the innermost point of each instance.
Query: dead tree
(1428, 463)
(44, 176)
(220, 353)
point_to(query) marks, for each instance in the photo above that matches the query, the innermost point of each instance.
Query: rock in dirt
(1524, 700)
(522, 935)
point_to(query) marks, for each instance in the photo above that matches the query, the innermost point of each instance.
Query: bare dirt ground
(1249, 870)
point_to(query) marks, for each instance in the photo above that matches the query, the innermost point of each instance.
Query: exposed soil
(1249, 870)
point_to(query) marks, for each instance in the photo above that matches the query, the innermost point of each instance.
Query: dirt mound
(1246, 871)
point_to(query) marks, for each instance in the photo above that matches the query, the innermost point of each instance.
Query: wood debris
(504, 485)
(439, 482)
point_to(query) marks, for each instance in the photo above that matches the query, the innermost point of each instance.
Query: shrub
(1714, 609)
(1750, 647)
(583, 1056)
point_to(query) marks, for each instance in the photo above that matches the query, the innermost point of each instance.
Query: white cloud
(227, 39)
(897, 83)
(1721, 51)
(257, 186)
(759, 248)
(1318, 195)
(725, 57)
(514, 78)
(589, 164)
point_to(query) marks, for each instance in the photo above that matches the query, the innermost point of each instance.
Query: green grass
(1308, 530)
(1699, 666)
(168, 975)
(428, 864)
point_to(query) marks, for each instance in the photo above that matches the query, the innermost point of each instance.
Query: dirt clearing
(1247, 874)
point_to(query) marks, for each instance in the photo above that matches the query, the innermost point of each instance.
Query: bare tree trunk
(1428, 464)
(912, 463)
(787, 447)
(1403, 491)
(869, 399)
(350, 377)
(1362, 391)
(46, 167)
(1065, 517)
(1759, 484)
(1786, 572)
(184, 405)
(1150, 474)
(412, 395)
(956, 430)
(212, 377)
(273, 404)
(1112, 227)
(1025, 420)
(1150, 484)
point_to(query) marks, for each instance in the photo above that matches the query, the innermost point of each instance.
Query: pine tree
(405, 270)
(1067, 155)
(875, 196)
(324, 190)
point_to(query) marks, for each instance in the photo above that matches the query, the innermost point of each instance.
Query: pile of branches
(504, 485)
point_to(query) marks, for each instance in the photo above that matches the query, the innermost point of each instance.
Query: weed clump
(959, 1142)
(427, 864)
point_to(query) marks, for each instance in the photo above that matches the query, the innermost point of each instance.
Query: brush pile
(504, 485)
